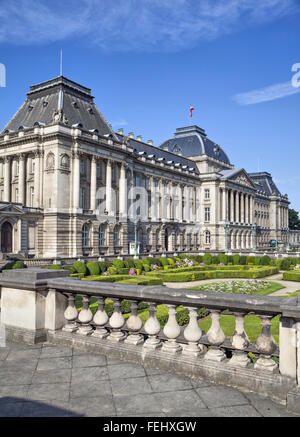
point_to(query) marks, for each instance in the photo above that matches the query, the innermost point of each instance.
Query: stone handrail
(47, 298)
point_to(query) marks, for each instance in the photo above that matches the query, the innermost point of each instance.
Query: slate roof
(74, 100)
(265, 183)
(193, 141)
(149, 151)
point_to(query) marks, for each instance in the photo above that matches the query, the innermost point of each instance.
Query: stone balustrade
(51, 306)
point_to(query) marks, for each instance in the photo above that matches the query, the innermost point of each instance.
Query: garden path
(290, 286)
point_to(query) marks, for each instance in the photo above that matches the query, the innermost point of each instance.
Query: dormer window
(45, 103)
(75, 104)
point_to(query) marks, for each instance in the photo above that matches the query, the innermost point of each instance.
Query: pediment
(9, 208)
(243, 178)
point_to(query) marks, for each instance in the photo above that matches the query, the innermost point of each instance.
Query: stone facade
(67, 185)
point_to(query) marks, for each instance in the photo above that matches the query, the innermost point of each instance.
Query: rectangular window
(31, 196)
(32, 165)
(82, 198)
(98, 170)
(82, 167)
(207, 215)
(206, 194)
(17, 195)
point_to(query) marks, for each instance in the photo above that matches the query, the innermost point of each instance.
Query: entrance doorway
(6, 237)
(166, 240)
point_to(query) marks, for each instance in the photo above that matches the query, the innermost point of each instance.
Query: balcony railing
(269, 369)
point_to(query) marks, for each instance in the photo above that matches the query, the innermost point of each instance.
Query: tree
(294, 222)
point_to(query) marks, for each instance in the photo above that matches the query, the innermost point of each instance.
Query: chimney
(139, 138)
(150, 142)
(120, 132)
(130, 135)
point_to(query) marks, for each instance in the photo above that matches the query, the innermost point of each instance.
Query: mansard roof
(154, 152)
(265, 183)
(64, 99)
(193, 141)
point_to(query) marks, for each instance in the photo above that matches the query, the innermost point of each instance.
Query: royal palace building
(70, 187)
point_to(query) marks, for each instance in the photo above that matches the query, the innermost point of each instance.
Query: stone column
(108, 188)
(231, 206)
(123, 192)
(37, 179)
(246, 208)
(153, 203)
(76, 179)
(179, 207)
(21, 184)
(7, 176)
(242, 208)
(224, 205)
(93, 183)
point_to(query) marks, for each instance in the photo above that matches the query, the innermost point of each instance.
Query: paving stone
(49, 409)
(153, 371)
(237, 411)
(15, 377)
(90, 389)
(46, 392)
(17, 392)
(25, 365)
(83, 374)
(201, 412)
(219, 396)
(52, 376)
(55, 363)
(267, 407)
(125, 370)
(167, 382)
(3, 353)
(53, 352)
(198, 383)
(87, 360)
(26, 354)
(10, 409)
(103, 405)
(138, 404)
(185, 401)
(130, 386)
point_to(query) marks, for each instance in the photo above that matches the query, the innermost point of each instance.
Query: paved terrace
(49, 381)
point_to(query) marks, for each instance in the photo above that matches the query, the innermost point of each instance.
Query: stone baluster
(240, 342)
(152, 328)
(134, 325)
(216, 337)
(85, 317)
(100, 319)
(70, 314)
(171, 331)
(192, 334)
(117, 322)
(266, 345)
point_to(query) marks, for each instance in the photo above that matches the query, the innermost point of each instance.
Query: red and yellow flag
(191, 110)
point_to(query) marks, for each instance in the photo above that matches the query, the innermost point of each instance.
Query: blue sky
(148, 60)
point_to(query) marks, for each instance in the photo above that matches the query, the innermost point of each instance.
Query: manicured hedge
(80, 267)
(126, 279)
(291, 276)
(93, 268)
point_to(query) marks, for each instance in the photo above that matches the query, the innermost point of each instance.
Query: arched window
(85, 236)
(101, 235)
(207, 237)
(116, 236)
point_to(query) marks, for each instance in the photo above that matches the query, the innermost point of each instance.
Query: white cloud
(267, 94)
(133, 24)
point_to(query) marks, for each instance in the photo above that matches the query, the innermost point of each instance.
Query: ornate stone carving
(59, 117)
(243, 180)
(50, 161)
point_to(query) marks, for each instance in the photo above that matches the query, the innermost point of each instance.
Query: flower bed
(241, 287)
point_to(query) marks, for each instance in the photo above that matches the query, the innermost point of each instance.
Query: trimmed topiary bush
(236, 259)
(222, 258)
(250, 259)
(207, 258)
(80, 267)
(284, 264)
(112, 270)
(243, 260)
(70, 268)
(102, 266)
(19, 265)
(93, 268)
(164, 261)
(265, 260)
(118, 263)
(257, 260)
(54, 267)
